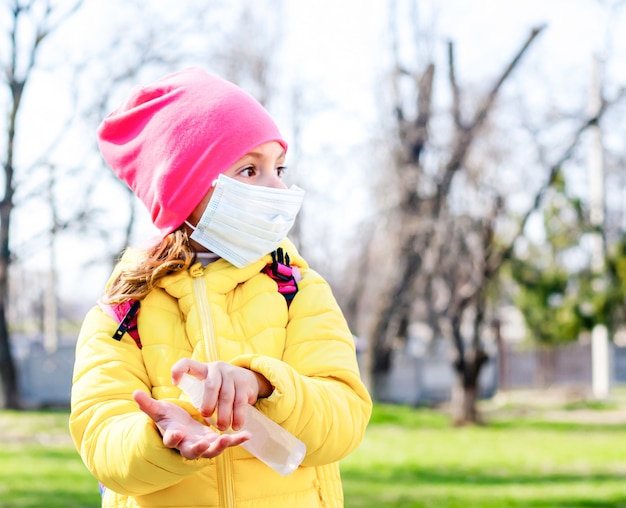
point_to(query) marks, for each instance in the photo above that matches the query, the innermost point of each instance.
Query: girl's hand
(227, 389)
(180, 431)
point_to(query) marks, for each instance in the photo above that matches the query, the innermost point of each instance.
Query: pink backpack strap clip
(126, 315)
(286, 276)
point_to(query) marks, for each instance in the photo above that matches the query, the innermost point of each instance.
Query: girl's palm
(180, 431)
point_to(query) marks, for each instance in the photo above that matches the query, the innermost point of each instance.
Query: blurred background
(464, 164)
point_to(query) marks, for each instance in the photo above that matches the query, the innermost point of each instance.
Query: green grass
(39, 467)
(410, 458)
(413, 458)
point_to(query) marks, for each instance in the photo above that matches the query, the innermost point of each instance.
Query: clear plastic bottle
(269, 442)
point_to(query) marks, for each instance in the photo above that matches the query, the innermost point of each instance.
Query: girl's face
(262, 166)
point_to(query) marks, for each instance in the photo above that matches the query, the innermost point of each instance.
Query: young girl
(224, 297)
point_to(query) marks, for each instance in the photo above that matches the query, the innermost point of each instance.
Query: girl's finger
(148, 405)
(212, 387)
(188, 366)
(224, 441)
(173, 438)
(239, 409)
(225, 403)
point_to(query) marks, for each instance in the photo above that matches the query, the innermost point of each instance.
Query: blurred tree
(552, 293)
(30, 24)
(441, 255)
(449, 226)
(612, 307)
(559, 294)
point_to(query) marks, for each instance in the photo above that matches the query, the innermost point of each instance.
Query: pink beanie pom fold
(170, 140)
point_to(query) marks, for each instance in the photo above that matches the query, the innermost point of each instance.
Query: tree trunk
(465, 390)
(7, 366)
(463, 404)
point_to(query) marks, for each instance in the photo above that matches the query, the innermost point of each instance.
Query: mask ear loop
(191, 226)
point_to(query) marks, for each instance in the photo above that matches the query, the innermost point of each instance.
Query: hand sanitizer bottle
(269, 442)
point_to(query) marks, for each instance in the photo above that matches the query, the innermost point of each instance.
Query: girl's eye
(280, 170)
(247, 171)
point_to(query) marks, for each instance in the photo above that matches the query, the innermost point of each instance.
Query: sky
(338, 51)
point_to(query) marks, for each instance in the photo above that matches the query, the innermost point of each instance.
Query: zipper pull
(196, 271)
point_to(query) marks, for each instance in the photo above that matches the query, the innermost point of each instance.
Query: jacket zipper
(224, 460)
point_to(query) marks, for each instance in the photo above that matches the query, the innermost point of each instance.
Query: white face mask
(243, 222)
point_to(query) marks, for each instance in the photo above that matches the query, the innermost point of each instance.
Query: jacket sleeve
(118, 443)
(318, 393)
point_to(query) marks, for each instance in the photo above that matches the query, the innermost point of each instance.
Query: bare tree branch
(454, 86)
(465, 135)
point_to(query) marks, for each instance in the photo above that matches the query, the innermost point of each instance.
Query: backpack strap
(126, 315)
(286, 276)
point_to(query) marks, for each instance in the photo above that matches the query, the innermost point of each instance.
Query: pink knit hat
(170, 140)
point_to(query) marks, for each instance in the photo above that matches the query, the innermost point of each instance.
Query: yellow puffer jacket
(305, 350)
